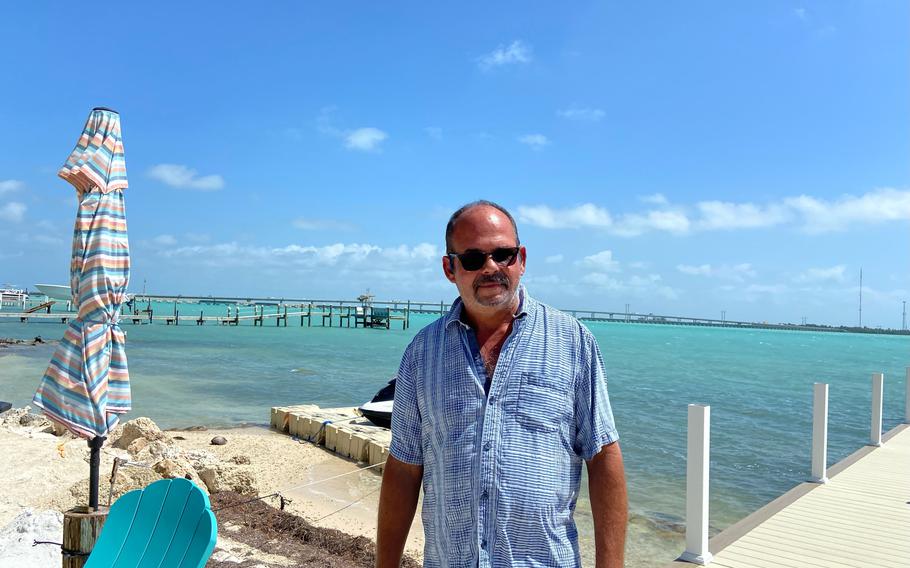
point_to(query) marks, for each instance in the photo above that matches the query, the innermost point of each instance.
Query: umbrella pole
(94, 465)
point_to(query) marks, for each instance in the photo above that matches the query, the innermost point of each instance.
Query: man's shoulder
(430, 334)
(559, 319)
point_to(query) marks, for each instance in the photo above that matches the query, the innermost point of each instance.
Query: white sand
(34, 474)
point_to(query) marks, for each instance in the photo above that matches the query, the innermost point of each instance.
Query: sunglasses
(474, 259)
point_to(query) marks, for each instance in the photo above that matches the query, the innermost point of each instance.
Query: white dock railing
(698, 458)
(820, 432)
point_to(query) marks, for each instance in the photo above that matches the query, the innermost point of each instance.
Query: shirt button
(487, 445)
(483, 544)
(484, 494)
(492, 398)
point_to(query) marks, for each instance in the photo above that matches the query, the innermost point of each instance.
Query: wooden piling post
(81, 529)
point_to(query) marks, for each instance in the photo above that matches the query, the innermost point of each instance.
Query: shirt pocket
(543, 403)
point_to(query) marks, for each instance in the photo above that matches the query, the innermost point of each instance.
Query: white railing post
(878, 380)
(820, 432)
(698, 454)
(907, 398)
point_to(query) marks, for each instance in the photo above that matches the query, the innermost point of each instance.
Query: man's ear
(523, 255)
(448, 268)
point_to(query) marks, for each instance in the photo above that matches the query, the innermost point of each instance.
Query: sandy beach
(50, 473)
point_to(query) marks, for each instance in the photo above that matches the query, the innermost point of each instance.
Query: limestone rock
(34, 421)
(141, 427)
(155, 451)
(180, 467)
(137, 446)
(225, 556)
(201, 459)
(128, 478)
(240, 460)
(223, 477)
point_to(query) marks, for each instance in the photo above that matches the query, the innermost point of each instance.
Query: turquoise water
(758, 383)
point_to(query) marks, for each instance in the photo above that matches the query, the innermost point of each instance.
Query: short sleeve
(593, 415)
(406, 424)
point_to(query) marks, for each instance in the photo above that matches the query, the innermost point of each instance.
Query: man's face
(484, 228)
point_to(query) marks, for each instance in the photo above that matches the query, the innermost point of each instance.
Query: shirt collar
(526, 304)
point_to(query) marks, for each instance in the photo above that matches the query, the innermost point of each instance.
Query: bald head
(469, 208)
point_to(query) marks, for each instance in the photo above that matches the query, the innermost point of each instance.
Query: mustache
(491, 279)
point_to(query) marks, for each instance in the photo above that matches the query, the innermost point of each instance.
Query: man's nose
(489, 265)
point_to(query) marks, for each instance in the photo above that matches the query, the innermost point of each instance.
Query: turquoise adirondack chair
(168, 524)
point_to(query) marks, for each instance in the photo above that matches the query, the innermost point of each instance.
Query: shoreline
(320, 488)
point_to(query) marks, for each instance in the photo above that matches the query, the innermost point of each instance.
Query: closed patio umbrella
(86, 386)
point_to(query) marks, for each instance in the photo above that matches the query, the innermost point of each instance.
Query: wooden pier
(374, 314)
(859, 518)
(327, 315)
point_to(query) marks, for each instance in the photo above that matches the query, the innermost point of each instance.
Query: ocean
(757, 382)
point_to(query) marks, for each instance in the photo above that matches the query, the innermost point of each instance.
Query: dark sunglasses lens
(504, 255)
(472, 260)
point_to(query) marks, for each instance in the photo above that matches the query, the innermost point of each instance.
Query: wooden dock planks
(860, 518)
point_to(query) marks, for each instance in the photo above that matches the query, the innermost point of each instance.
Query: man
(496, 406)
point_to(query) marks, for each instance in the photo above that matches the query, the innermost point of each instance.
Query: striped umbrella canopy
(86, 386)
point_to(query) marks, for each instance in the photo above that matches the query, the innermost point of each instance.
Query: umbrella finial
(106, 108)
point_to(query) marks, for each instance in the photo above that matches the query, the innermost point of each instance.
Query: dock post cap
(700, 559)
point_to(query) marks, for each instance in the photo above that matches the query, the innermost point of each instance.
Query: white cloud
(10, 185)
(809, 214)
(535, 141)
(353, 255)
(582, 216)
(700, 270)
(554, 259)
(165, 240)
(514, 53)
(13, 212)
(602, 260)
(634, 225)
(321, 224)
(183, 177)
(582, 114)
(434, 132)
(832, 274)
(717, 215)
(873, 207)
(737, 272)
(197, 237)
(637, 286)
(365, 139)
(801, 14)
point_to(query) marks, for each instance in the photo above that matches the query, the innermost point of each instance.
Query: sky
(684, 158)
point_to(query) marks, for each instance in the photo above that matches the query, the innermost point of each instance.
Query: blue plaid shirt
(502, 470)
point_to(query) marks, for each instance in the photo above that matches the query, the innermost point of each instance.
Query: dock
(859, 518)
(190, 310)
(340, 430)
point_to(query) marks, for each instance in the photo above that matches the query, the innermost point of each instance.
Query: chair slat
(203, 541)
(168, 524)
(113, 533)
(186, 528)
(172, 509)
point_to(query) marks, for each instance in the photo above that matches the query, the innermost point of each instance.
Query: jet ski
(379, 409)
